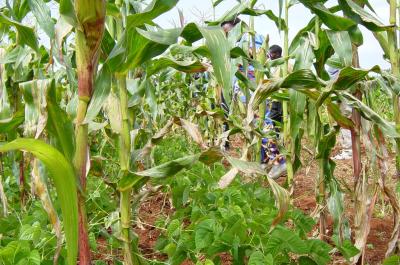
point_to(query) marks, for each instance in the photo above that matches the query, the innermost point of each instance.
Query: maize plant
(108, 111)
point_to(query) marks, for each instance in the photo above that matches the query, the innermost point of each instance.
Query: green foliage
(164, 82)
(392, 260)
(64, 179)
(26, 237)
(235, 220)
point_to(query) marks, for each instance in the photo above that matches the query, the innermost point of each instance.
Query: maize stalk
(89, 33)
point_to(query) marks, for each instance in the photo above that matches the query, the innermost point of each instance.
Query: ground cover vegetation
(112, 147)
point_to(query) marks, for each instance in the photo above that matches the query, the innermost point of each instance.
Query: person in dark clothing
(228, 25)
(269, 150)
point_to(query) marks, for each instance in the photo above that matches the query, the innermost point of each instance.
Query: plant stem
(321, 197)
(124, 155)
(3, 196)
(394, 61)
(88, 35)
(22, 192)
(80, 161)
(286, 124)
(261, 58)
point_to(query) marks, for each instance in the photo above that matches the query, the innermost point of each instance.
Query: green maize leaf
(335, 62)
(304, 55)
(191, 33)
(322, 54)
(153, 10)
(26, 35)
(249, 84)
(43, 16)
(141, 46)
(293, 2)
(151, 98)
(330, 19)
(67, 11)
(167, 36)
(382, 38)
(366, 2)
(297, 40)
(361, 16)
(337, 115)
(389, 129)
(183, 66)
(348, 76)
(62, 29)
(134, 49)
(325, 145)
(100, 95)
(107, 44)
(113, 10)
(19, 9)
(170, 168)
(13, 55)
(5, 106)
(184, 51)
(59, 125)
(237, 52)
(303, 78)
(162, 171)
(217, 2)
(389, 82)
(297, 149)
(246, 8)
(297, 106)
(7, 125)
(280, 8)
(356, 36)
(154, 43)
(260, 95)
(311, 122)
(341, 43)
(64, 180)
(333, 109)
(220, 57)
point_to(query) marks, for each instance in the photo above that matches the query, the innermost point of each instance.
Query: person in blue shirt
(269, 150)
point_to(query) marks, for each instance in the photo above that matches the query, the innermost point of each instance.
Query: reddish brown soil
(381, 228)
(152, 209)
(158, 206)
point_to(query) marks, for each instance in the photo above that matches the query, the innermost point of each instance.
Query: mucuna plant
(90, 16)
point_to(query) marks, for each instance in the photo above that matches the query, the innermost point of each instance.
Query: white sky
(194, 10)
(199, 10)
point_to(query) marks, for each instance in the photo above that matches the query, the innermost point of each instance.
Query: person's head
(275, 52)
(230, 24)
